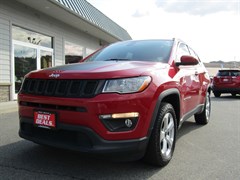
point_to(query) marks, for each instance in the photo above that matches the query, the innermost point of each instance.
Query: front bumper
(86, 112)
(82, 139)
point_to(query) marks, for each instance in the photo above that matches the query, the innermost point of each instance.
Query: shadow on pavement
(226, 97)
(187, 127)
(28, 157)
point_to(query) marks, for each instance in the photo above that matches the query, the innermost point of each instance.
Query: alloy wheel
(167, 135)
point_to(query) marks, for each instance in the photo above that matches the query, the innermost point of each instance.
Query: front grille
(61, 88)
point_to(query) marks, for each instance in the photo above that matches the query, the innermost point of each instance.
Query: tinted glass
(229, 73)
(148, 50)
(223, 73)
(236, 73)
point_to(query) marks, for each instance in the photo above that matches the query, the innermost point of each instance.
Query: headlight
(127, 85)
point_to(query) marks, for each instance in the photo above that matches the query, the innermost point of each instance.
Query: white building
(36, 34)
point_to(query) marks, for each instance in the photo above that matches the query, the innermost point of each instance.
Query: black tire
(161, 145)
(204, 116)
(234, 94)
(217, 94)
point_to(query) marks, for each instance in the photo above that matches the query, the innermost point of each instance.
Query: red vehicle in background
(125, 101)
(226, 81)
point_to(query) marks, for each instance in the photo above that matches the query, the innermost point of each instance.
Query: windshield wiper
(117, 59)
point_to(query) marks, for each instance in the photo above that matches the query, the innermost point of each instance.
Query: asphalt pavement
(202, 152)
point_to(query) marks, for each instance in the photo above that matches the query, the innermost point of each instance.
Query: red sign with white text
(45, 119)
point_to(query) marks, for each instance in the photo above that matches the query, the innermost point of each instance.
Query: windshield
(145, 50)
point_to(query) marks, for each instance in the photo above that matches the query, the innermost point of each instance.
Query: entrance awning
(83, 16)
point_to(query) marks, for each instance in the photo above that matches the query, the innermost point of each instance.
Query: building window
(25, 60)
(32, 37)
(73, 53)
(46, 59)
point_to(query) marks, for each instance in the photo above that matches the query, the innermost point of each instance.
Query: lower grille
(53, 106)
(60, 136)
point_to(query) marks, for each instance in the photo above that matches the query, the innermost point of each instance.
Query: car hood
(99, 70)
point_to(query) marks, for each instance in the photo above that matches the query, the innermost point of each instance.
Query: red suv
(126, 100)
(226, 81)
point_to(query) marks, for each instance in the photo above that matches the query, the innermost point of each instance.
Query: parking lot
(202, 152)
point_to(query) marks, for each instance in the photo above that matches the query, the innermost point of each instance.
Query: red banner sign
(45, 119)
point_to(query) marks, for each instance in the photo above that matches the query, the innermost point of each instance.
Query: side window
(182, 50)
(194, 54)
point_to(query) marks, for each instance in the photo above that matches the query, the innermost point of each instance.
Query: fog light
(120, 115)
(120, 121)
(128, 122)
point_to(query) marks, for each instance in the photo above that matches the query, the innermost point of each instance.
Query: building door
(28, 57)
(31, 51)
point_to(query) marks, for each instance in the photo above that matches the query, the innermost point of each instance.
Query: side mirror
(187, 60)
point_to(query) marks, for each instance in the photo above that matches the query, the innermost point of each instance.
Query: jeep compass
(126, 100)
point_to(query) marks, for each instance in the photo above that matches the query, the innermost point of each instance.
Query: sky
(210, 27)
